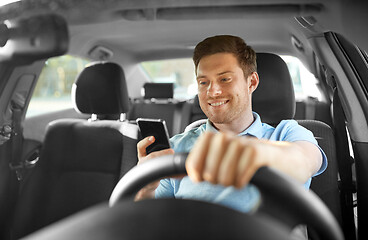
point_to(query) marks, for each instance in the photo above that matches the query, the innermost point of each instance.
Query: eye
(225, 79)
(202, 82)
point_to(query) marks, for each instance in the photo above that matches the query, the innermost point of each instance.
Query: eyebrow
(222, 73)
(218, 74)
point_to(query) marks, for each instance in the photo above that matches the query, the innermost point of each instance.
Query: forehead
(218, 62)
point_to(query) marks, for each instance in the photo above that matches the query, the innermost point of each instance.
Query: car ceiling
(156, 29)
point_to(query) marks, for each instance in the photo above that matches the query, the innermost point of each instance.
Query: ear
(253, 81)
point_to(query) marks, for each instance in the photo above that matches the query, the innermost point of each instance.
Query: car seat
(158, 103)
(81, 160)
(274, 100)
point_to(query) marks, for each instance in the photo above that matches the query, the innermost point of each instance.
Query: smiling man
(234, 143)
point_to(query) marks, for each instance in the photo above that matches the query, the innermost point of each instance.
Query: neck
(237, 125)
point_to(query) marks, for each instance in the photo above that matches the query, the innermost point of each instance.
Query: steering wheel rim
(305, 207)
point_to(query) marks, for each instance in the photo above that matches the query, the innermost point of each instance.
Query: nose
(214, 89)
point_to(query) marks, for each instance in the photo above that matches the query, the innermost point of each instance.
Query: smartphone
(156, 128)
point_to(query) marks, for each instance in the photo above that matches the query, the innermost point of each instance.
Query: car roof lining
(158, 29)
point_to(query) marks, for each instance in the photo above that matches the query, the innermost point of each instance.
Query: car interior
(60, 168)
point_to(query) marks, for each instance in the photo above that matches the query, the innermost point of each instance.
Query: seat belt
(16, 164)
(17, 106)
(345, 162)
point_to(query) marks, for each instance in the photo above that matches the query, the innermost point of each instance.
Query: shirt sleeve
(180, 143)
(292, 132)
(165, 189)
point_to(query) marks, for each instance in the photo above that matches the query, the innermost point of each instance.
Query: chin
(219, 120)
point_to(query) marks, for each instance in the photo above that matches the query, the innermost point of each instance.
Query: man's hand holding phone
(154, 128)
(149, 190)
(149, 128)
(142, 152)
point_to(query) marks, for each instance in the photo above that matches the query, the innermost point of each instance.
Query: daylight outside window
(54, 85)
(181, 73)
(305, 83)
(177, 71)
(53, 88)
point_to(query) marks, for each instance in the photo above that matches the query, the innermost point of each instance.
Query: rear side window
(181, 73)
(53, 89)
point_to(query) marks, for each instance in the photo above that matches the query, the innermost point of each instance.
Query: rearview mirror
(28, 39)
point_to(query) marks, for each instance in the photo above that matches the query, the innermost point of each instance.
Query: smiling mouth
(217, 104)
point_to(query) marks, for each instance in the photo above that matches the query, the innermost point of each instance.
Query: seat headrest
(274, 99)
(158, 90)
(101, 89)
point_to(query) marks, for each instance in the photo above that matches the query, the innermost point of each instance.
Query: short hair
(245, 54)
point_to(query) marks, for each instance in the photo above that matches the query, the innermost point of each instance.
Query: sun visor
(25, 40)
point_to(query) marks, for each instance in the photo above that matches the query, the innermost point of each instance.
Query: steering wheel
(295, 205)
(192, 219)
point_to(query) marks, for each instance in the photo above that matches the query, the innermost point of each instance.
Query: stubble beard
(228, 117)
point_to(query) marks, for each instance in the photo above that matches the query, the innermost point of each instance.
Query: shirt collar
(255, 129)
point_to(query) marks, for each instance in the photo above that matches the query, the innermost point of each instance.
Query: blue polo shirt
(244, 199)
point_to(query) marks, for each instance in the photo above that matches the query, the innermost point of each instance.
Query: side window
(305, 83)
(52, 92)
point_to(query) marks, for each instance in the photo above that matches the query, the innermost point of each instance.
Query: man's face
(223, 91)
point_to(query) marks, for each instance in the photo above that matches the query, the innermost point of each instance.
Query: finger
(228, 169)
(143, 144)
(215, 154)
(196, 159)
(253, 157)
(156, 154)
(243, 175)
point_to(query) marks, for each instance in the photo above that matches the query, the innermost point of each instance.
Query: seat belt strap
(344, 161)
(16, 162)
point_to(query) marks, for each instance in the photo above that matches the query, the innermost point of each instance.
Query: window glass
(177, 71)
(54, 85)
(181, 73)
(305, 83)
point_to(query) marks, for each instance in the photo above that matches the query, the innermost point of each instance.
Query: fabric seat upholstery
(326, 184)
(274, 98)
(81, 161)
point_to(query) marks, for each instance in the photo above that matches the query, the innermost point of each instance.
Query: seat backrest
(313, 109)
(81, 160)
(158, 103)
(274, 100)
(326, 185)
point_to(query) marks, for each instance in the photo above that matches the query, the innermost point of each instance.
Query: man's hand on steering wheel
(230, 160)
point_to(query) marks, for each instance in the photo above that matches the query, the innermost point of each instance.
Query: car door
(20, 64)
(346, 70)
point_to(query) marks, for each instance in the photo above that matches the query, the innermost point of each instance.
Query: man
(227, 151)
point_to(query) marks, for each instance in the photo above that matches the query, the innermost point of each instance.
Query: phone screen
(156, 128)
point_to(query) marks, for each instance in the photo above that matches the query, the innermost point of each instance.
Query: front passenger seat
(81, 160)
